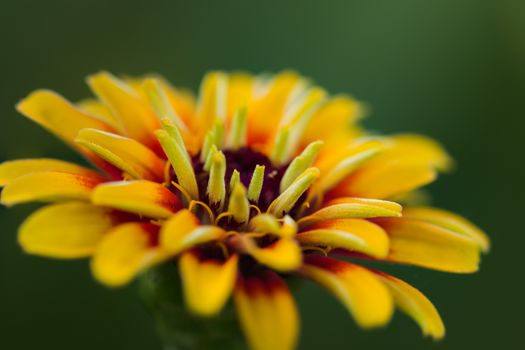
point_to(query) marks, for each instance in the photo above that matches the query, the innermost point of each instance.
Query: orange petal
(140, 197)
(267, 312)
(48, 186)
(12, 170)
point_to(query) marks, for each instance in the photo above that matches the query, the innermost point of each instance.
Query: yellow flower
(263, 177)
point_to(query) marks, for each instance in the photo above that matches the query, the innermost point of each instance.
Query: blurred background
(454, 70)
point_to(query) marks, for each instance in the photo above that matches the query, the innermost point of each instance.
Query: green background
(452, 69)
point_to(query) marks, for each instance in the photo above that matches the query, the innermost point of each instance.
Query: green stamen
(300, 164)
(209, 158)
(160, 103)
(279, 150)
(239, 205)
(216, 187)
(256, 183)
(237, 136)
(286, 200)
(214, 137)
(180, 161)
(234, 180)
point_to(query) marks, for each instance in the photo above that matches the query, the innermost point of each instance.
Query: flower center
(243, 160)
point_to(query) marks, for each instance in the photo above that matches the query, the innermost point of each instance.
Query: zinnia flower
(262, 177)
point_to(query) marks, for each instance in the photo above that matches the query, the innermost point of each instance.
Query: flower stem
(179, 329)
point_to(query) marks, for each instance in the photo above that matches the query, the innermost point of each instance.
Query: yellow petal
(48, 187)
(124, 252)
(240, 90)
(182, 231)
(182, 102)
(135, 117)
(12, 170)
(351, 207)
(65, 231)
(416, 305)
(267, 312)
(97, 109)
(424, 149)
(335, 116)
(363, 294)
(58, 115)
(349, 234)
(212, 100)
(346, 166)
(140, 197)
(207, 284)
(126, 154)
(282, 255)
(427, 245)
(386, 179)
(269, 104)
(451, 222)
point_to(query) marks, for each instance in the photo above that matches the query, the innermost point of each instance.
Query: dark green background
(452, 69)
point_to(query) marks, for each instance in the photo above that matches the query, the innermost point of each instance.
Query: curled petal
(267, 312)
(351, 207)
(350, 234)
(363, 294)
(65, 231)
(415, 304)
(126, 154)
(140, 197)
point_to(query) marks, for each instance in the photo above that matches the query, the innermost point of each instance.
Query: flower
(263, 177)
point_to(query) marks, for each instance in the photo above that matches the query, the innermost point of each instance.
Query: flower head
(262, 177)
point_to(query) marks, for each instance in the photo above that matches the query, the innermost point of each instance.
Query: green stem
(179, 329)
